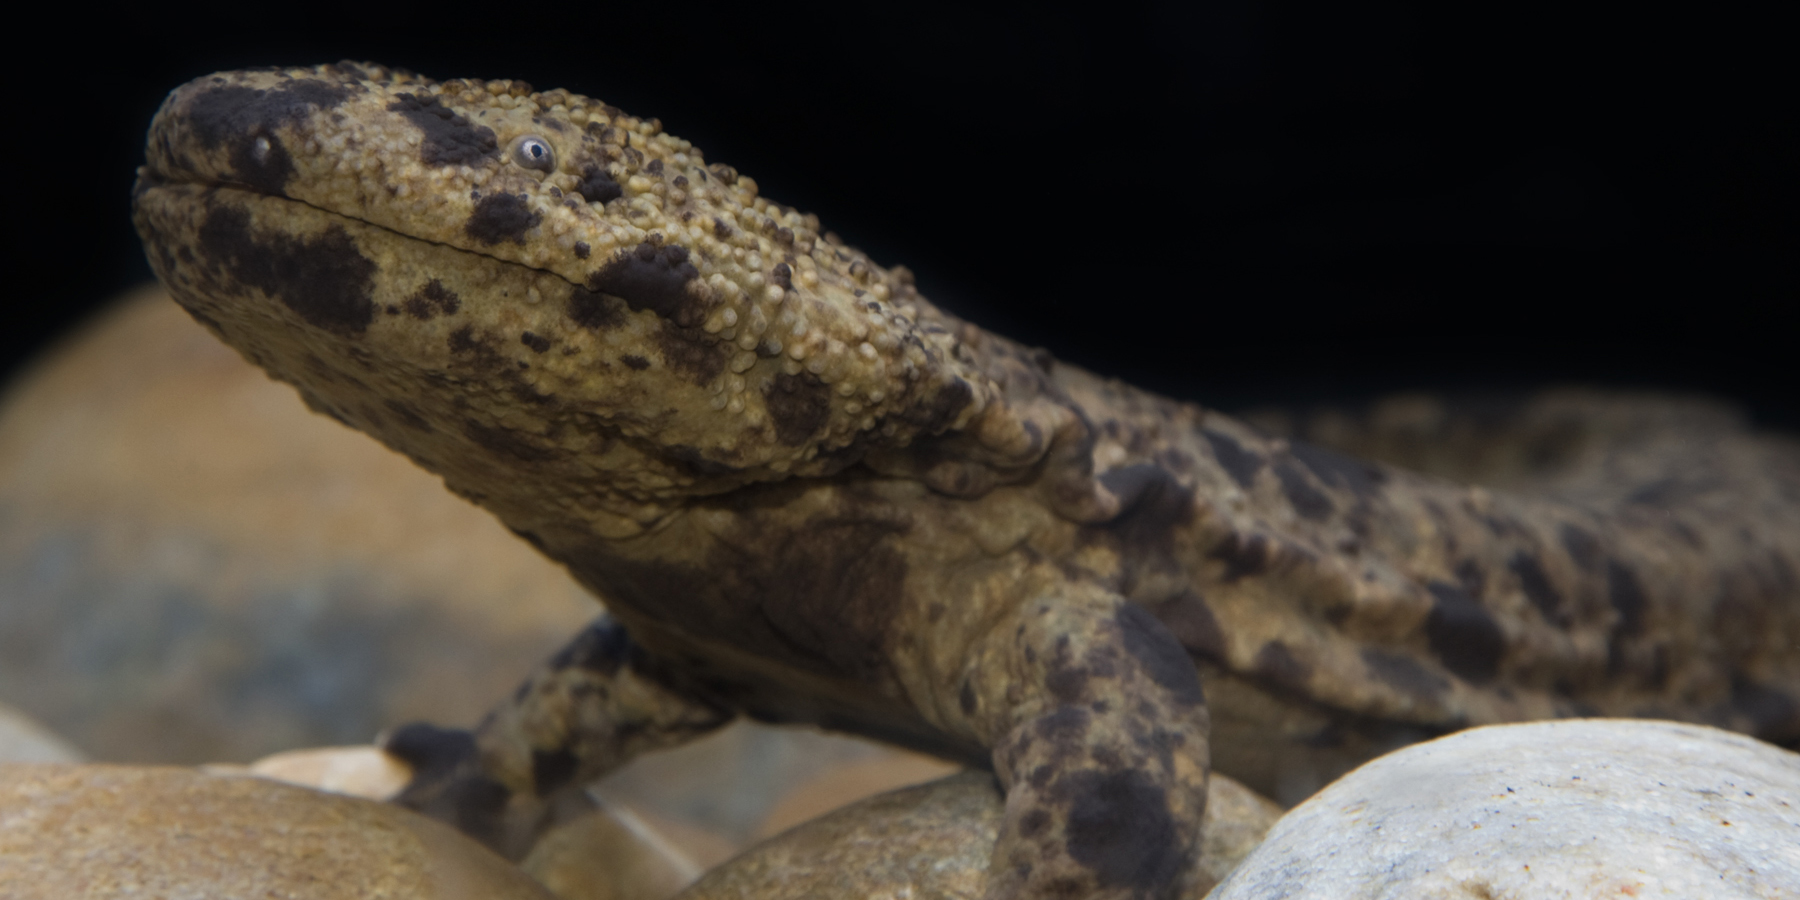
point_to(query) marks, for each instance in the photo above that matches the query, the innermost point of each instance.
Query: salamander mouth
(217, 193)
(209, 237)
(322, 275)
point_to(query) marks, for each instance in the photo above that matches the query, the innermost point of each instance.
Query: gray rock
(1580, 808)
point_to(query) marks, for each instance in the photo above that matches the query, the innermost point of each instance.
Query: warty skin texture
(807, 494)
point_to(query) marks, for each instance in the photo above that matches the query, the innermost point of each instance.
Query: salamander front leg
(596, 705)
(1099, 732)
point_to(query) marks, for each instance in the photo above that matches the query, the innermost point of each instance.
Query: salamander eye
(532, 152)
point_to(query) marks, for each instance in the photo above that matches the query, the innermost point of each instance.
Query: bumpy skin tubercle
(807, 494)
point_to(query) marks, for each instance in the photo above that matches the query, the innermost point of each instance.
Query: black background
(1235, 202)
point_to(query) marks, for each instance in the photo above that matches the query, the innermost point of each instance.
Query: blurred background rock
(196, 569)
(193, 568)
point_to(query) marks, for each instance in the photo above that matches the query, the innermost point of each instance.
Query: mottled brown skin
(807, 494)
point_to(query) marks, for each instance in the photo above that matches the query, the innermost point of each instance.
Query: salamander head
(494, 280)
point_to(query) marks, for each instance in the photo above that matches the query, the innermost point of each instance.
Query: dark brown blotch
(799, 406)
(1159, 654)
(1065, 681)
(477, 350)
(1308, 501)
(1626, 594)
(450, 139)
(536, 342)
(1242, 465)
(1535, 582)
(1119, 827)
(1148, 484)
(655, 278)
(324, 279)
(940, 407)
(1193, 624)
(1463, 634)
(597, 187)
(501, 217)
(431, 300)
(1244, 556)
(634, 362)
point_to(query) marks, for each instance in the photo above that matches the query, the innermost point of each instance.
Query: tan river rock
(932, 842)
(72, 832)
